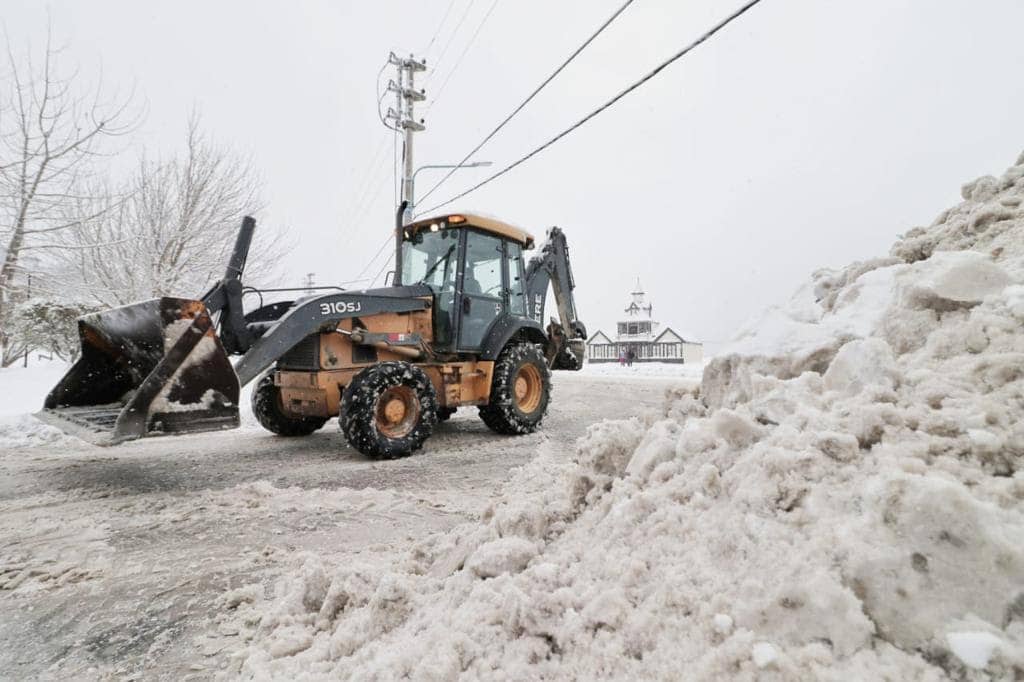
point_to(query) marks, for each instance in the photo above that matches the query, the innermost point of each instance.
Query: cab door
(516, 277)
(483, 289)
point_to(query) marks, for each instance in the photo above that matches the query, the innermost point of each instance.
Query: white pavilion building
(640, 333)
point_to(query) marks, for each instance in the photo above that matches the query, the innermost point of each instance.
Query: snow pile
(25, 431)
(22, 390)
(841, 500)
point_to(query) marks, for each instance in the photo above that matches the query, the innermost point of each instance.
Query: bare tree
(51, 131)
(170, 231)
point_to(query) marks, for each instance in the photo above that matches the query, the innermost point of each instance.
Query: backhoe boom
(551, 267)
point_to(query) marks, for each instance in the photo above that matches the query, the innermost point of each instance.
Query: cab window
(483, 265)
(516, 292)
(431, 258)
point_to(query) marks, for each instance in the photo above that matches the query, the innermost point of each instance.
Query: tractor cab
(474, 266)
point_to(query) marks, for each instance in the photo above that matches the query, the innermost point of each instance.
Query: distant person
(622, 358)
(630, 357)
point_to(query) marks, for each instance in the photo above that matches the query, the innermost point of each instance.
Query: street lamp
(407, 216)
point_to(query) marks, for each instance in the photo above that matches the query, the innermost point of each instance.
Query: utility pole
(310, 283)
(404, 118)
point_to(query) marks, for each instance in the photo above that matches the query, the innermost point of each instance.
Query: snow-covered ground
(643, 369)
(135, 561)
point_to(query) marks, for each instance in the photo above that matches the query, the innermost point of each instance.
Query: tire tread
(500, 414)
(357, 420)
(266, 407)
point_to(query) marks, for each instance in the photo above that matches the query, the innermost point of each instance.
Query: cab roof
(483, 223)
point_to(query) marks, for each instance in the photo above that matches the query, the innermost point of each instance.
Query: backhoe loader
(460, 325)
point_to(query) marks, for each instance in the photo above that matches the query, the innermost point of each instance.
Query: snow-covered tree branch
(52, 129)
(169, 230)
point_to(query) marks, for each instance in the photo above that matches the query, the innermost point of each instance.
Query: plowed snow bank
(842, 500)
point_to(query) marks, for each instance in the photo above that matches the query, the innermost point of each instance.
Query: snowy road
(114, 562)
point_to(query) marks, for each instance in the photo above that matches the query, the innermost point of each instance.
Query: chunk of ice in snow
(960, 276)
(764, 654)
(984, 440)
(722, 623)
(505, 555)
(657, 446)
(860, 364)
(974, 649)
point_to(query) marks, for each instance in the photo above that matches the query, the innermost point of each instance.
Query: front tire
(269, 412)
(520, 390)
(388, 410)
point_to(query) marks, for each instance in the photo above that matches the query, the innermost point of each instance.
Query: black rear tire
(520, 390)
(266, 406)
(388, 410)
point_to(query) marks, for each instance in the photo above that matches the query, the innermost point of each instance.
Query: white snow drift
(841, 500)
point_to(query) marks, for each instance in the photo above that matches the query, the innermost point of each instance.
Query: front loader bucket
(146, 369)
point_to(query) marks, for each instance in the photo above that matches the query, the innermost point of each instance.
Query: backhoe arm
(567, 335)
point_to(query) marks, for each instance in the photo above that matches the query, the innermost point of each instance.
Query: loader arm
(322, 313)
(551, 267)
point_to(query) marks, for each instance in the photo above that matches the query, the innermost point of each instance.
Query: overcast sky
(808, 133)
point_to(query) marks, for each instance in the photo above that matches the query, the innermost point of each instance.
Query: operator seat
(470, 285)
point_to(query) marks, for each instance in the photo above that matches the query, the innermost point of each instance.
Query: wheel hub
(394, 411)
(397, 412)
(527, 388)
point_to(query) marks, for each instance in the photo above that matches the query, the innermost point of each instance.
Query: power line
(376, 164)
(439, 27)
(382, 269)
(369, 180)
(533, 94)
(451, 38)
(389, 240)
(381, 95)
(462, 56)
(372, 171)
(380, 114)
(378, 181)
(366, 183)
(678, 55)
